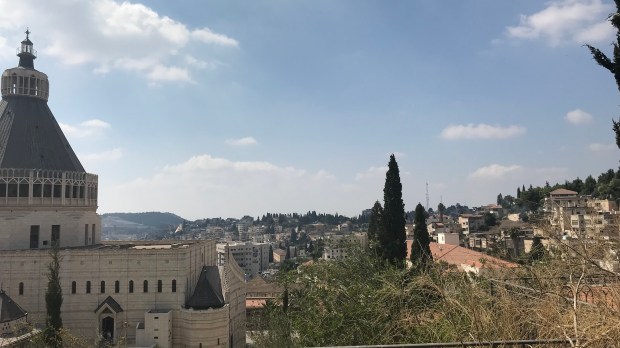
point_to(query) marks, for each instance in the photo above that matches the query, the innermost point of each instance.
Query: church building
(164, 293)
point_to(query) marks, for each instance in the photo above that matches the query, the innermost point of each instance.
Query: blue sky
(228, 108)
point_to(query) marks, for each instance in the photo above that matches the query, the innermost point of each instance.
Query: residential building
(470, 222)
(253, 258)
(338, 246)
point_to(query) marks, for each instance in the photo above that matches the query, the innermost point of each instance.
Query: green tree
(441, 209)
(375, 226)
(589, 186)
(392, 240)
(490, 219)
(500, 199)
(53, 300)
(612, 65)
(538, 250)
(420, 246)
(293, 236)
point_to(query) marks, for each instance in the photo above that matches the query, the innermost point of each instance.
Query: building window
(21, 288)
(103, 286)
(55, 235)
(174, 285)
(131, 286)
(117, 287)
(34, 236)
(145, 286)
(92, 232)
(88, 287)
(86, 234)
(159, 285)
(73, 287)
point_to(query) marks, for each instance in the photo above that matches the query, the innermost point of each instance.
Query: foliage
(53, 300)
(612, 65)
(392, 245)
(421, 256)
(490, 219)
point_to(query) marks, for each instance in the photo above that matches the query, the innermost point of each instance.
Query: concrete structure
(338, 246)
(111, 291)
(470, 223)
(448, 238)
(253, 258)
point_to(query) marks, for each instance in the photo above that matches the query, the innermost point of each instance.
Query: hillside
(150, 219)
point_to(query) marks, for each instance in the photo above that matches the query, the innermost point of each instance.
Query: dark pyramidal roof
(208, 292)
(31, 138)
(9, 310)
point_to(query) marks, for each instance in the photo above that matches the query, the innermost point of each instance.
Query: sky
(232, 108)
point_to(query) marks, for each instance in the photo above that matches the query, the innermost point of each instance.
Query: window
(88, 287)
(159, 285)
(55, 234)
(103, 287)
(131, 286)
(92, 232)
(174, 285)
(34, 236)
(117, 287)
(86, 234)
(21, 288)
(145, 286)
(73, 287)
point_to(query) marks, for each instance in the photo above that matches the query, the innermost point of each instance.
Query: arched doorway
(107, 328)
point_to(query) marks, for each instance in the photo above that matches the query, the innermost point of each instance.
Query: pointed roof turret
(26, 53)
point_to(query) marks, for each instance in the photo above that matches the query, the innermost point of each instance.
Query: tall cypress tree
(420, 246)
(53, 300)
(612, 65)
(392, 239)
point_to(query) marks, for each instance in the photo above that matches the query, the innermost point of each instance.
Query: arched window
(131, 286)
(103, 287)
(88, 287)
(174, 285)
(145, 286)
(117, 287)
(159, 285)
(73, 287)
(21, 288)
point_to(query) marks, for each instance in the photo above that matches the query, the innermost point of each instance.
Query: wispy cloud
(597, 147)
(245, 141)
(480, 131)
(578, 116)
(85, 129)
(564, 21)
(109, 155)
(494, 171)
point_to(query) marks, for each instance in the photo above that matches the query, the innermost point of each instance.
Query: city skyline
(209, 109)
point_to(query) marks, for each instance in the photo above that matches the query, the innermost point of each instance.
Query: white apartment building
(337, 246)
(252, 258)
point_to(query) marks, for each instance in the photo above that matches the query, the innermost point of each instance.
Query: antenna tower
(427, 196)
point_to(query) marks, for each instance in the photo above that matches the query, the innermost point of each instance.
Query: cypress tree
(612, 65)
(53, 301)
(392, 238)
(421, 245)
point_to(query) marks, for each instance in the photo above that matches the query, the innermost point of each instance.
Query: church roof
(9, 310)
(111, 302)
(208, 292)
(30, 137)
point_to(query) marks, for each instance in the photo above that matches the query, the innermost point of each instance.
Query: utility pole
(427, 196)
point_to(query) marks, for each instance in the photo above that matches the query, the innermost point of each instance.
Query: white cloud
(371, 173)
(205, 185)
(597, 147)
(578, 116)
(85, 129)
(480, 131)
(566, 20)
(110, 36)
(207, 36)
(242, 141)
(109, 155)
(494, 171)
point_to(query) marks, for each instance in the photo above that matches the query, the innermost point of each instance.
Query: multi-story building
(470, 223)
(253, 258)
(111, 291)
(338, 246)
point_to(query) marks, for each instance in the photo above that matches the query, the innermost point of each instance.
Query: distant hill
(150, 219)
